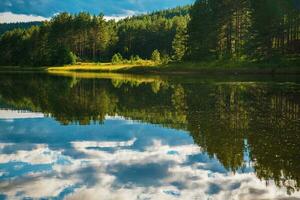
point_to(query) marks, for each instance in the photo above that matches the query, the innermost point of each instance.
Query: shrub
(134, 59)
(63, 56)
(117, 58)
(70, 58)
(155, 56)
(165, 59)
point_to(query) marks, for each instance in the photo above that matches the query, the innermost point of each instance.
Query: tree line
(85, 37)
(251, 30)
(10, 26)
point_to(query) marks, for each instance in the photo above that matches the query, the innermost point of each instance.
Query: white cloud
(116, 18)
(126, 13)
(131, 12)
(9, 17)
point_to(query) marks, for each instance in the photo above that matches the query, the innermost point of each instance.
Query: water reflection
(151, 137)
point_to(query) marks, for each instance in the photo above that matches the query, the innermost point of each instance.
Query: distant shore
(233, 68)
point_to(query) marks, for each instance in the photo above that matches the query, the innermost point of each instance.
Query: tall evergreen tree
(202, 30)
(179, 44)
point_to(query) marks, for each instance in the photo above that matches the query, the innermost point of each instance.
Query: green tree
(179, 45)
(275, 29)
(203, 30)
(91, 38)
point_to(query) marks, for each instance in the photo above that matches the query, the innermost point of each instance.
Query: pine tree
(202, 30)
(179, 44)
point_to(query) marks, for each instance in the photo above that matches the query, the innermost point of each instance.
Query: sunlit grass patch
(105, 67)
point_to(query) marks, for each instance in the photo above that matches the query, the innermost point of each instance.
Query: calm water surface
(92, 136)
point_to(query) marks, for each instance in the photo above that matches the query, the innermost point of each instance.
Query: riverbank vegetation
(211, 33)
(212, 67)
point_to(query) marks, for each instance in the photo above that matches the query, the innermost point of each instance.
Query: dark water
(89, 136)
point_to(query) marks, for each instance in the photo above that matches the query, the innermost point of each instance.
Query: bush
(165, 59)
(71, 58)
(117, 58)
(63, 56)
(134, 59)
(155, 56)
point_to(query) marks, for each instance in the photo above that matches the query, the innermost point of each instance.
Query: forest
(85, 37)
(209, 30)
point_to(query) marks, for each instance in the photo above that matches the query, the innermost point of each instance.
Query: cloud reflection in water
(119, 159)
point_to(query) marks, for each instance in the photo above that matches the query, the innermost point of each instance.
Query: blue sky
(47, 8)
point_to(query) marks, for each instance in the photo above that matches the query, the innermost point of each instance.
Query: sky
(38, 10)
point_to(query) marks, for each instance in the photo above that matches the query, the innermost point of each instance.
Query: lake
(110, 136)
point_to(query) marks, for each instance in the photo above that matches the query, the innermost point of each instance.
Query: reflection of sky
(12, 114)
(120, 159)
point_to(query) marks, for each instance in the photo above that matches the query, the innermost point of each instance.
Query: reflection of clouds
(40, 154)
(86, 144)
(130, 174)
(9, 115)
(35, 187)
(134, 166)
(155, 153)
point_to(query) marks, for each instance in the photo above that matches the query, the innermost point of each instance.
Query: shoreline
(168, 69)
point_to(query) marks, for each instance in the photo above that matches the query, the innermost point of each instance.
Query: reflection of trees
(274, 135)
(84, 103)
(149, 105)
(62, 98)
(221, 118)
(73, 100)
(217, 121)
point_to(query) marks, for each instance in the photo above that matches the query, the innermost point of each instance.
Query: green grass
(215, 67)
(102, 67)
(222, 67)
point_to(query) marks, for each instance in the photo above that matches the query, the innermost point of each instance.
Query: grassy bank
(149, 67)
(215, 67)
(102, 67)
